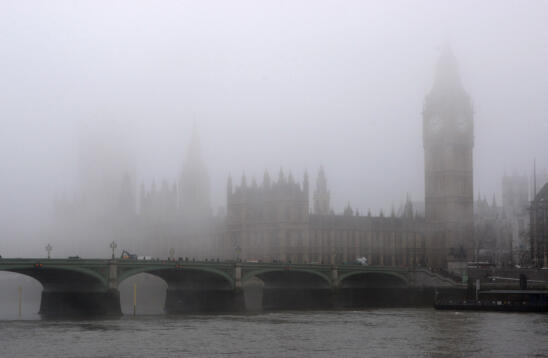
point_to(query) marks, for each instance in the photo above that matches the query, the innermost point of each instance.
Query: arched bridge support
(193, 287)
(192, 291)
(290, 287)
(90, 287)
(76, 288)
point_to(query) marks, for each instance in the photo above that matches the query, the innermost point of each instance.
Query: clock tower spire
(448, 138)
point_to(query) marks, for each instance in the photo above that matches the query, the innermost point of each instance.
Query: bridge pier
(200, 291)
(80, 303)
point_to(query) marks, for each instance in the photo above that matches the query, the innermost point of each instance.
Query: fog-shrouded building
(276, 220)
(515, 204)
(492, 233)
(268, 222)
(271, 222)
(539, 228)
(172, 217)
(175, 218)
(103, 204)
(448, 138)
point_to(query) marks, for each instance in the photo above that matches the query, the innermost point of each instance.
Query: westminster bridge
(90, 286)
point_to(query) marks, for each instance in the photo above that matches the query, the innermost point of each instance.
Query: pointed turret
(408, 208)
(348, 210)
(321, 194)
(194, 191)
(266, 180)
(305, 186)
(447, 78)
(229, 185)
(281, 177)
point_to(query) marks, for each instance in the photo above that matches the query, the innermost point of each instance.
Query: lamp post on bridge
(237, 250)
(113, 246)
(48, 249)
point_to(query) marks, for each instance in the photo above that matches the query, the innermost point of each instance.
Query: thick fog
(88, 86)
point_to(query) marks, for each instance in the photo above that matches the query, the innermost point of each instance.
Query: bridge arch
(31, 290)
(291, 287)
(263, 272)
(149, 291)
(373, 279)
(161, 271)
(49, 275)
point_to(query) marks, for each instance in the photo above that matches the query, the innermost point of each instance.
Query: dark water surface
(369, 333)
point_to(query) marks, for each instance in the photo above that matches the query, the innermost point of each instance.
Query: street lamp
(48, 249)
(113, 246)
(238, 250)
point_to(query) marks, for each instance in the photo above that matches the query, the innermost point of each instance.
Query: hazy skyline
(287, 84)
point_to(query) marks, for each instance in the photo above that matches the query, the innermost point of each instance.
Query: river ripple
(369, 333)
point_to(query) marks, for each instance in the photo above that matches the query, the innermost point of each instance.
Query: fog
(268, 85)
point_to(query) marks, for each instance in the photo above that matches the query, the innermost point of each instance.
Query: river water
(421, 332)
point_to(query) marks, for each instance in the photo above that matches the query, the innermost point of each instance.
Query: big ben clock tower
(448, 138)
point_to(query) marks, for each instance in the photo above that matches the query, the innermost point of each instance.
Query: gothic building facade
(268, 222)
(271, 222)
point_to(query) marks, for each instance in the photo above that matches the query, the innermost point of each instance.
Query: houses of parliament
(286, 219)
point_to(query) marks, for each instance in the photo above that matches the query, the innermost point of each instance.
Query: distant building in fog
(515, 204)
(172, 215)
(448, 138)
(539, 228)
(321, 195)
(178, 215)
(492, 233)
(104, 203)
(272, 222)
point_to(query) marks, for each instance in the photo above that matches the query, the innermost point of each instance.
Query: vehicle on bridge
(127, 256)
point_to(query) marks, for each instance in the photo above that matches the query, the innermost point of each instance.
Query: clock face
(434, 123)
(462, 123)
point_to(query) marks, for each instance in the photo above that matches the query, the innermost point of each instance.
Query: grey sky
(292, 84)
